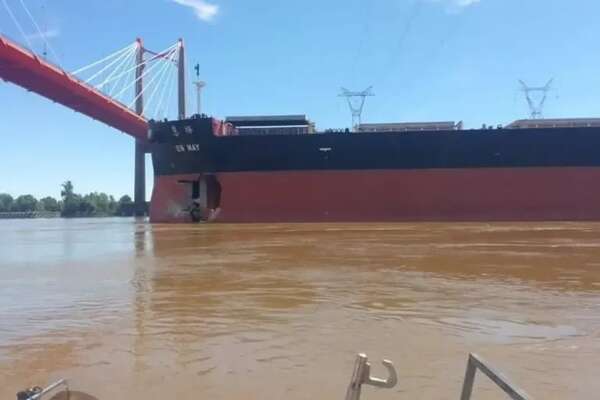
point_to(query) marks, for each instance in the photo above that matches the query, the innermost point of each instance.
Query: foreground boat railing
(37, 393)
(362, 376)
(477, 363)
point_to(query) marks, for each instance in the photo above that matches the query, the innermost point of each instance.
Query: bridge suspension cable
(40, 32)
(104, 89)
(120, 78)
(125, 59)
(19, 26)
(151, 81)
(22, 67)
(159, 85)
(132, 84)
(115, 76)
(113, 62)
(167, 90)
(108, 57)
(133, 68)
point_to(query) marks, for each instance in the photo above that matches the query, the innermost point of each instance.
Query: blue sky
(426, 59)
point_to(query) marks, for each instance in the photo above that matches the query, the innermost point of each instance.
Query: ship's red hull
(479, 194)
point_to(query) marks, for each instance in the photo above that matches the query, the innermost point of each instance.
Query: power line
(366, 31)
(409, 21)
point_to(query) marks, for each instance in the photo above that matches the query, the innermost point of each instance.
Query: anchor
(362, 376)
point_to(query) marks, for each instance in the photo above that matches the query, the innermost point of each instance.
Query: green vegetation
(25, 203)
(49, 204)
(6, 202)
(71, 204)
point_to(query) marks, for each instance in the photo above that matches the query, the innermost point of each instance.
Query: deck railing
(362, 368)
(477, 363)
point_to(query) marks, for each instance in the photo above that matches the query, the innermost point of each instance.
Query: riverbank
(29, 214)
(57, 214)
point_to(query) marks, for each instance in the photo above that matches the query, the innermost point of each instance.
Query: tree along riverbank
(70, 205)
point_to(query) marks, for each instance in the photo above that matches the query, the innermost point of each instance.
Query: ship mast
(199, 86)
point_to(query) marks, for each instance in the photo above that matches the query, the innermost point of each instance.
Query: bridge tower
(181, 79)
(139, 184)
(20, 66)
(141, 148)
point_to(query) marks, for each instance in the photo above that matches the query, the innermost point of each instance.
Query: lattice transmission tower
(536, 106)
(356, 103)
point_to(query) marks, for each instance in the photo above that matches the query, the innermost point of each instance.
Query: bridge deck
(21, 67)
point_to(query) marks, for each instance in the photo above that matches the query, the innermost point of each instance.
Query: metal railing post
(467, 388)
(477, 363)
(361, 375)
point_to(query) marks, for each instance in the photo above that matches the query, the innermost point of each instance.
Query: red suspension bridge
(123, 90)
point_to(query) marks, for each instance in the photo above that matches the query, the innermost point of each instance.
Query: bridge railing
(26, 47)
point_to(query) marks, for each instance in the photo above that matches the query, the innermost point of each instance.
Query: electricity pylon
(356, 108)
(536, 109)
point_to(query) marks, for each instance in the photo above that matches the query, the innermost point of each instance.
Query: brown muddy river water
(128, 310)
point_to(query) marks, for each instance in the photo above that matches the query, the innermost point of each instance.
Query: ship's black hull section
(498, 148)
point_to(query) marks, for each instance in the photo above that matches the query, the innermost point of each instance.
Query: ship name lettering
(179, 148)
(193, 147)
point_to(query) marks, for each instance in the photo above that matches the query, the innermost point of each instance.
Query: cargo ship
(278, 169)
